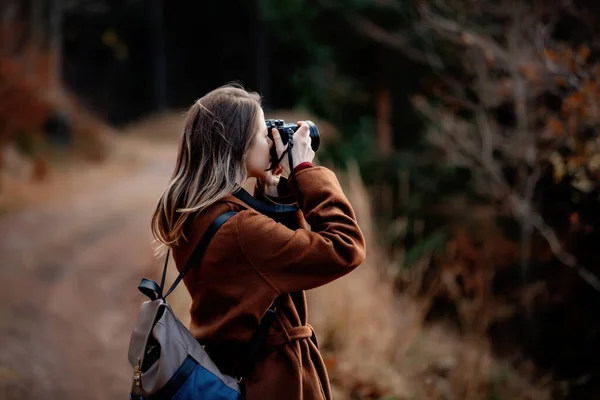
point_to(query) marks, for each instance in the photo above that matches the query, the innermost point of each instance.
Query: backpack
(168, 362)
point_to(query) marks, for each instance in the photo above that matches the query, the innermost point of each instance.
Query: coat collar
(245, 199)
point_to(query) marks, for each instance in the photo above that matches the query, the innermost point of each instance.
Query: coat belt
(289, 335)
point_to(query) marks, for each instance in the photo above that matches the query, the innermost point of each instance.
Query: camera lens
(315, 138)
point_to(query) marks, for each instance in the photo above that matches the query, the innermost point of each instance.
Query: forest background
(465, 133)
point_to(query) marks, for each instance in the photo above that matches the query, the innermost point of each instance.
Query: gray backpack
(168, 362)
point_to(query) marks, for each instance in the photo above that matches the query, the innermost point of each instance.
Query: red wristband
(302, 166)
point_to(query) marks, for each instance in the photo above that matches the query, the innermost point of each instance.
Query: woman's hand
(302, 150)
(269, 185)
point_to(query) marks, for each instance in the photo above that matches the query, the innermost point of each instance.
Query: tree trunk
(261, 56)
(160, 73)
(35, 37)
(383, 125)
(383, 130)
(9, 13)
(55, 45)
(36, 23)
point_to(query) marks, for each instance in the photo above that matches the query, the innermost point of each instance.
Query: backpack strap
(201, 247)
(258, 339)
(154, 291)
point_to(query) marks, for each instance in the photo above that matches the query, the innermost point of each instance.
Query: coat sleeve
(301, 259)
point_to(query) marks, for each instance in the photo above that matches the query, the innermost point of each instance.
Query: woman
(256, 259)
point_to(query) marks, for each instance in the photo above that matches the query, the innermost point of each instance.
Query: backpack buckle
(137, 373)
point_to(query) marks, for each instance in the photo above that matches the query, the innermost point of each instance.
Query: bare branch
(462, 35)
(564, 257)
(460, 146)
(453, 100)
(524, 57)
(398, 41)
(487, 141)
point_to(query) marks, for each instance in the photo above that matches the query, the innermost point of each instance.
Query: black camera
(286, 131)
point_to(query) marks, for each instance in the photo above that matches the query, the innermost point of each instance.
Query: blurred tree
(36, 114)
(513, 69)
(55, 40)
(516, 107)
(509, 100)
(349, 69)
(344, 75)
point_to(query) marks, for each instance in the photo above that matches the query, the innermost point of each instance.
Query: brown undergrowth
(30, 101)
(378, 346)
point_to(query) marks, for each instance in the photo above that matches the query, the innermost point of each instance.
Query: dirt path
(69, 269)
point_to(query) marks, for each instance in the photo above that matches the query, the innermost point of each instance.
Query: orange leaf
(572, 125)
(584, 52)
(529, 71)
(588, 87)
(567, 55)
(551, 54)
(556, 126)
(572, 65)
(330, 362)
(585, 112)
(572, 102)
(577, 161)
(574, 218)
(561, 81)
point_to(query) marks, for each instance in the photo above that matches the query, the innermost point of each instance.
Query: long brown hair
(210, 165)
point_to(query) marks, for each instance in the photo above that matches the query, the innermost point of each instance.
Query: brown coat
(254, 260)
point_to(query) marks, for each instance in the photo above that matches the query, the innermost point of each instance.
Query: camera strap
(291, 163)
(290, 145)
(280, 158)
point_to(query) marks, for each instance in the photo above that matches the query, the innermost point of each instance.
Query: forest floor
(70, 268)
(75, 246)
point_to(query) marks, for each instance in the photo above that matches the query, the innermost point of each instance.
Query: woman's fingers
(270, 184)
(302, 150)
(279, 149)
(273, 180)
(277, 170)
(304, 130)
(279, 146)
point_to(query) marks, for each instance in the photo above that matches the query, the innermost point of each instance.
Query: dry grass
(377, 345)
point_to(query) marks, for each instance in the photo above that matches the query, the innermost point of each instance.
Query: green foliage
(494, 385)
(358, 146)
(341, 67)
(339, 74)
(432, 243)
(293, 20)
